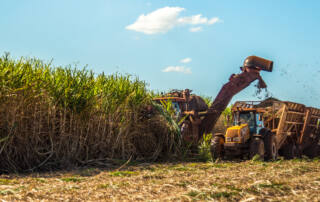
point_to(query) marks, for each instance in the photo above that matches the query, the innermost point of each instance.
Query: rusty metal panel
(280, 135)
(295, 106)
(315, 112)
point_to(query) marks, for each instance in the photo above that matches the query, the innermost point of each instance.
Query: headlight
(236, 139)
(229, 139)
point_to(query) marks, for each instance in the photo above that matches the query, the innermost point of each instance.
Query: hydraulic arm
(200, 118)
(237, 82)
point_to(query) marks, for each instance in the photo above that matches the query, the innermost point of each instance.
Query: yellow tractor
(247, 137)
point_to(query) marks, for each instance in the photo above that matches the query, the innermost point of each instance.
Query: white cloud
(195, 29)
(214, 20)
(164, 19)
(186, 60)
(158, 21)
(180, 69)
(197, 20)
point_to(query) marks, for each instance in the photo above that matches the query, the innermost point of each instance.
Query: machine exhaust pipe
(258, 63)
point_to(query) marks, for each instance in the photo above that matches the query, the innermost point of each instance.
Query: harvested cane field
(297, 180)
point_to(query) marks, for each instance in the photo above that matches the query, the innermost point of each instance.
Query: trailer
(296, 128)
(269, 128)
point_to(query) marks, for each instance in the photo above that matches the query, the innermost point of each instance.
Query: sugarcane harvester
(198, 118)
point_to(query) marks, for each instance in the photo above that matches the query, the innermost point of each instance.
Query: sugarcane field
(145, 101)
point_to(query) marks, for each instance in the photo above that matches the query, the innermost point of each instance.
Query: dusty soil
(225, 181)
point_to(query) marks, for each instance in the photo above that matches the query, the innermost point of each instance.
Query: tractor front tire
(216, 147)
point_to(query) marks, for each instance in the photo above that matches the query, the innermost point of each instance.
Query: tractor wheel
(216, 147)
(312, 151)
(270, 147)
(256, 148)
(289, 151)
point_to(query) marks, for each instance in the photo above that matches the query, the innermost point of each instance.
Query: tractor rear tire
(216, 147)
(256, 148)
(270, 146)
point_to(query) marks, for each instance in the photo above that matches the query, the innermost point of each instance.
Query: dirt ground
(187, 181)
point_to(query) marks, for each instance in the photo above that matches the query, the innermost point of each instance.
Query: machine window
(247, 118)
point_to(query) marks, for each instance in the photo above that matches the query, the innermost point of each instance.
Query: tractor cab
(247, 122)
(251, 118)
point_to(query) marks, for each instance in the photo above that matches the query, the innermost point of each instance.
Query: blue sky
(151, 38)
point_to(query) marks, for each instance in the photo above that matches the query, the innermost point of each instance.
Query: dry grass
(225, 181)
